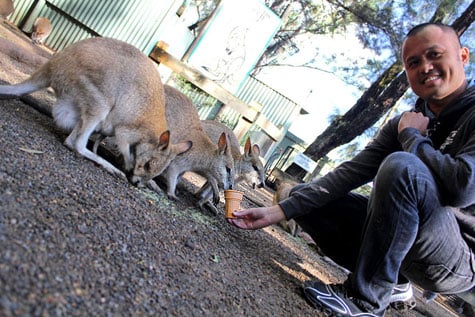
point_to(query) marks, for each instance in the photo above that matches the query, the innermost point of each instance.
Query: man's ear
(465, 55)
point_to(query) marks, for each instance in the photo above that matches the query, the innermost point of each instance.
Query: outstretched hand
(257, 218)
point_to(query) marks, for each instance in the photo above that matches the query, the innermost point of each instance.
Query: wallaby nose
(132, 179)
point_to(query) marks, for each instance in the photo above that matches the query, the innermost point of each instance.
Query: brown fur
(212, 160)
(248, 164)
(282, 192)
(108, 87)
(41, 30)
(6, 8)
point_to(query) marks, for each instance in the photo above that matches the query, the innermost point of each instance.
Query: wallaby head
(248, 165)
(226, 168)
(252, 168)
(212, 160)
(41, 30)
(111, 88)
(151, 158)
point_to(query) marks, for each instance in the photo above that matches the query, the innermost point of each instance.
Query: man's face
(434, 64)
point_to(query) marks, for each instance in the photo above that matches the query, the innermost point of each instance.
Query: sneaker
(333, 300)
(401, 293)
(402, 297)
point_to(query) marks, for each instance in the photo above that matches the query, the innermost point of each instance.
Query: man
(418, 224)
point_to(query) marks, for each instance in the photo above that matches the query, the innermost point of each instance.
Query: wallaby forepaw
(151, 184)
(172, 196)
(120, 175)
(209, 206)
(215, 200)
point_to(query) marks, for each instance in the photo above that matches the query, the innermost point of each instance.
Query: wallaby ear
(164, 140)
(247, 146)
(222, 143)
(182, 147)
(256, 150)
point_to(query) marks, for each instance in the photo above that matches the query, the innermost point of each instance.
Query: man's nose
(426, 66)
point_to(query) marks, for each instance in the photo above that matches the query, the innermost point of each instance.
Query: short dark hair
(444, 27)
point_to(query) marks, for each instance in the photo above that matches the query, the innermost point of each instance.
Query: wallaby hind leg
(77, 141)
(66, 114)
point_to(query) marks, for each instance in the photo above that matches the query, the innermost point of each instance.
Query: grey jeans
(401, 229)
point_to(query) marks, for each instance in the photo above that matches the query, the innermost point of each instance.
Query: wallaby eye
(147, 166)
(228, 170)
(255, 168)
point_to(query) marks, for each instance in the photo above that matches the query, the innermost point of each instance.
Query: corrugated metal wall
(276, 107)
(136, 22)
(140, 23)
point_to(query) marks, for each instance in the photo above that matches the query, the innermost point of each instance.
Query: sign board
(234, 40)
(305, 162)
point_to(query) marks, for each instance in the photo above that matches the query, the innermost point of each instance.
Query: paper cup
(232, 201)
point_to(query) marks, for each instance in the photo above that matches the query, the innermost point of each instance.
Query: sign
(234, 40)
(305, 162)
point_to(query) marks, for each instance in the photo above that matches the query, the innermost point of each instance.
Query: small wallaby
(206, 158)
(6, 8)
(41, 30)
(282, 192)
(248, 165)
(107, 86)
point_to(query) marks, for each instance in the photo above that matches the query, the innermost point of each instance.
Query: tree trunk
(374, 103)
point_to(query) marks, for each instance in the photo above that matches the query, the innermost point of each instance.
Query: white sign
(234, 40)
(305, 162)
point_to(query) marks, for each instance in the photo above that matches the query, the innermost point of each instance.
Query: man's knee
(400, 164)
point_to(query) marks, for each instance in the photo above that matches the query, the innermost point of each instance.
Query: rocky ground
(76, 241)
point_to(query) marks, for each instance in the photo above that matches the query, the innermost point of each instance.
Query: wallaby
(206, 158)
(282, 192)
(41, 30)
(6, 8)
(248, 165)
(109, 87)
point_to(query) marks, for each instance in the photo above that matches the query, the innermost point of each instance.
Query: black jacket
(449, 152)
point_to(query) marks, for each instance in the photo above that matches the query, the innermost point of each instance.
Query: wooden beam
(204, 83)
(250, 114)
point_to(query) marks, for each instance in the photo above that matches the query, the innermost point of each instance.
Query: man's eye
(412, 64)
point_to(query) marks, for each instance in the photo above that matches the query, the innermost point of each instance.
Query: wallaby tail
(39, 80)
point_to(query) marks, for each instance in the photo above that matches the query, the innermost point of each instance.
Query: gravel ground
(77, 241)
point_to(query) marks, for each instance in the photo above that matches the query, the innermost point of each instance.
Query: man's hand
(256, 218)
(413, 120)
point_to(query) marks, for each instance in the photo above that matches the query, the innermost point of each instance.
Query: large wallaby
(6, 8)
(109, 87)
(41, 30)
(206, 158)
(248, 165)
